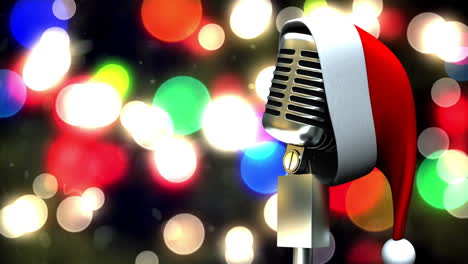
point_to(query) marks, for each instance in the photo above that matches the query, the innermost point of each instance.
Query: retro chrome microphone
(338, 96)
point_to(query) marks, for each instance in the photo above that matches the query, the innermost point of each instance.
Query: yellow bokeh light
(72, 215)
(49, 60)
(371, 8)
(250, 18)
(239, 255)
(45, 186)
(239, 246)
(25, 215)
(263, 82)
(175, 159)
(230, 123)
(93, 199)
(89, 105)
(184, 234)
(239, 235)
(270, 212)
(147, 124)
(452, 166)
(211, 37)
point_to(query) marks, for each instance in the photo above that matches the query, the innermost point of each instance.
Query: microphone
(329, 101)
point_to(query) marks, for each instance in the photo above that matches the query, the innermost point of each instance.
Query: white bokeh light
(211, 37)
(49, 60)
(270, 212)
(239, 246)
(72, 215)
(45, 186)
(64, 9)
(433, 142)
(184, 234)
(230, 123)
(147, 257)
(452, 167)
(445, 92)
(371, 8)
(263, 82)
(89, 105)
(286, 14)
(250, 18)
(93, 199)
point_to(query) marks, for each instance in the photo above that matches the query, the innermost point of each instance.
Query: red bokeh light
(227, 83)
(192, 43)
(365, 251)
(337, 196)
(454, 119)
(392, 24)
(171, 21)
(79, 163)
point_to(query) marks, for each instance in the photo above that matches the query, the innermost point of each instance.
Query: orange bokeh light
(171, 21)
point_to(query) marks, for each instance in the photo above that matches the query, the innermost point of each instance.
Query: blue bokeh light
(30, 18)
(261, 165)
(12, 93)
(457, 72)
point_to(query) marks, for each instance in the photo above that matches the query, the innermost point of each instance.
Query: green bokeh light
(115, 75)
(430, 186)
(310, 5)
(184, 98)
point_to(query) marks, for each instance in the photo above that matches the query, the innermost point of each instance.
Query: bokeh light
(456, 195)
(365, 250)
(89, 105)
(324, 254)
(445, 92)
(457, 72)
(452, 49)
(239, 242)
(260, 172)
(372, 212)
(93, 199)
(239, 255)
(369, 23)
(114, 75)
(72, 215)
(64, 9)
(175, 159)
(263, 82)
(12, 93)
(147, 257)
(286, 14)
(184, 234)
(184, 98)
(433, 142)
(337, 196)
(250, 18)
(45, 186)
(147, 124)
(367, 7)
(30, 18)
(392, 24)
(49, 60)
(423, 32)
(80, 164)
(26, 214)
(311, 5)
(171, 21)
(460, 212)
(270, 212)
(429, 185)
(454, 119)
(452, 167)
(227, 83)
(230, 123)
(211, 37)
(262, 150)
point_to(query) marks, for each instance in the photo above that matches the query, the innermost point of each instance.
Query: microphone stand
(302, 207)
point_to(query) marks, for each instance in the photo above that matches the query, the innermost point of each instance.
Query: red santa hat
(372, 113)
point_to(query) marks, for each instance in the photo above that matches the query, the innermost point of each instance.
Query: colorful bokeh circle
(12, 93)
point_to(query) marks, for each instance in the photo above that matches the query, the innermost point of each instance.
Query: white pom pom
(398, 252)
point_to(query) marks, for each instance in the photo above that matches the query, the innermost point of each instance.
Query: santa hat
(372, 113)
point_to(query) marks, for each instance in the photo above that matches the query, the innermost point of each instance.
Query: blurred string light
(93, 199)
(230, 123)
(457, 72)
(49, 60)
(445, 92)
(184, 98)
(45, 186)
(270, 212)
(250, 18)
(239, 244)
(374, 211)
(12, 93)
(80, 163)
(115, 75)
(263, 82)
(433, 142)
(324, 254)
(430, 33)
(147, 257)
(175, 159)
(429, 185)
(25, 215)
(211, 36)
(30, 18)
(89, 105)
(286, 14)
(261, 167)
(171, 21)
(72, 215)
(452, 167)
(184, 234)
(64, 9)
(147, 124)
(311, 5)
